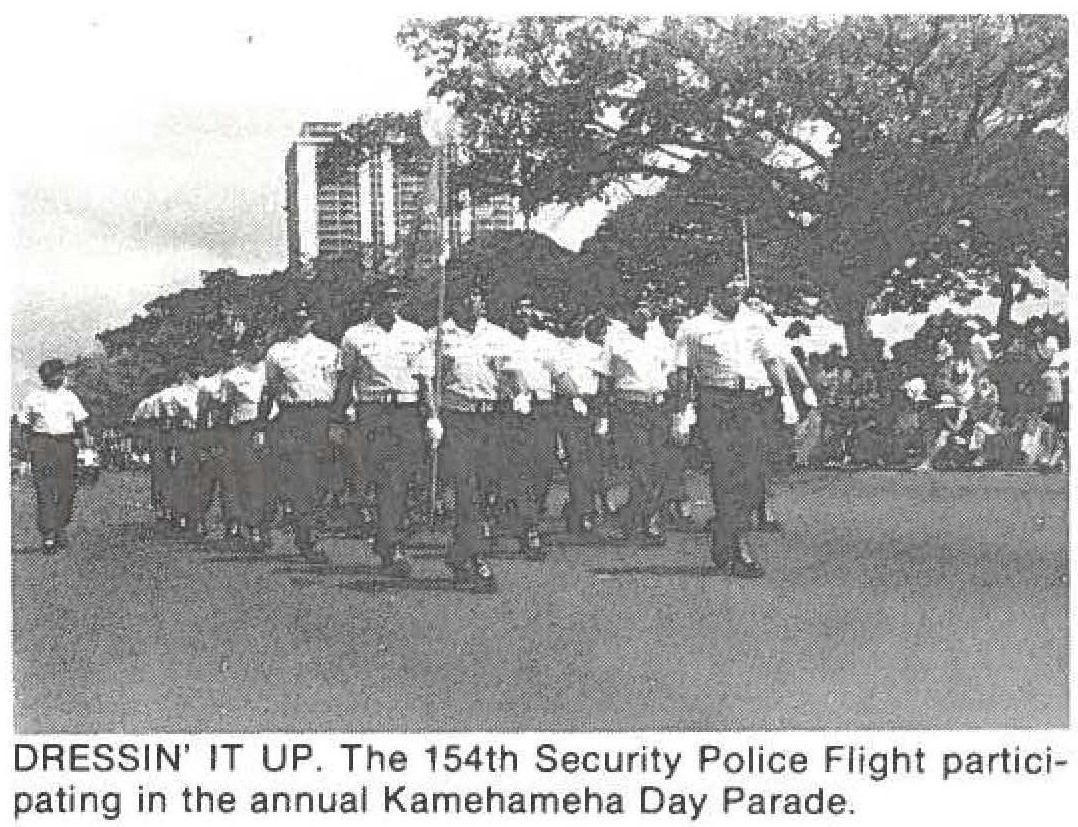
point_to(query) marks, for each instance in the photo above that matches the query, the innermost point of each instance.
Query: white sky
(144, 145)
(150, 145)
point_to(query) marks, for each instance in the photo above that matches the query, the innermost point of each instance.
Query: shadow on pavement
(255, 557)
(360, 569)
(658, 570)
(417, 584)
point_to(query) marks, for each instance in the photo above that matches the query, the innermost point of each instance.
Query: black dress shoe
(395, 564)
(483, 575)
(472, 575)
(763, 521)
(651, 537)
(531, 545)
(744, 565)
(721, 556)
(313, 554)
(583, 525)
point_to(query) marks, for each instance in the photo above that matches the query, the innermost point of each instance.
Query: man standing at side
(51, 416)
(301, 377)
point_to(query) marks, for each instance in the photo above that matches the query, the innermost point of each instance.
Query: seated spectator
(984, 424)
(1055, 416)
(950, 418)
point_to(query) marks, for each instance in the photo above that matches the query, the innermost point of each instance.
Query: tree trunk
(853, 316)
(1004, 324)
(858, 337)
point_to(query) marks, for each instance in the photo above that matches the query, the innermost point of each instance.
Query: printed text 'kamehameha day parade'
(750, 779)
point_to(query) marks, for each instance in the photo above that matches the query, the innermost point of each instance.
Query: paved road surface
(891, 601)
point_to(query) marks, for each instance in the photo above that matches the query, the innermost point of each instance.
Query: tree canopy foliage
(859, 146)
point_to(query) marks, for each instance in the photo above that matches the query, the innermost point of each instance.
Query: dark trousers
(765, 448)
(168, 458)
(675, 458)
(527, 459)
(245, 472)
(641, 432)
(187, 493)
(583, 449)
(52, 463)
(728, 422)
(467, 456)
(387, 445)
(158, 469)
(213, 474)
(301, 454)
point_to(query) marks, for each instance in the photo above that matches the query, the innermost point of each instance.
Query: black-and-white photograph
(600, 373)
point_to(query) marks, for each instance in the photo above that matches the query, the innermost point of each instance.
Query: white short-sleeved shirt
(616, 327)
(56, 412)
(181, 403)
(586, 363)
(1056, 374)
(688, 336)
(241, 389)
(756, 325)
(384, 360)
(304, 370)
(725, 351)
(779, 347)
(471, 362)
(656, 337)
(146, 409)
(636, 365)
(162, 405)
(210, 395)
(530, 360)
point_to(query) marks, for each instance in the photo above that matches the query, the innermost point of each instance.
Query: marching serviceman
(639, 418)
(381, 375)
(661, 334)
(578, 376)
(246, 468)
(723, 358)
(182, 409)
(470, 361)
(301, 377)
(167, 440)
(779, 414)
(146, 425)
(212, 473)
(52, 416)
(528, 425)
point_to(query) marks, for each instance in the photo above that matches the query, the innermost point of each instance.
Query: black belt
(480, 407)
(740, 388)
(639, 397)
(387, 398)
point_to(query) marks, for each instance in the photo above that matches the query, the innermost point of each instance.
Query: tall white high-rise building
(368, 209)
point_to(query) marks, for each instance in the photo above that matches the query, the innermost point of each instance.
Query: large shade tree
(861, 147)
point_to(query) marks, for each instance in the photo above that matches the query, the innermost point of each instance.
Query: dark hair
(51, 372)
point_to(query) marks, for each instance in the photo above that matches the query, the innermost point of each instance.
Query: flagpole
(745, 248)
(439, 126)
(441, 160)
